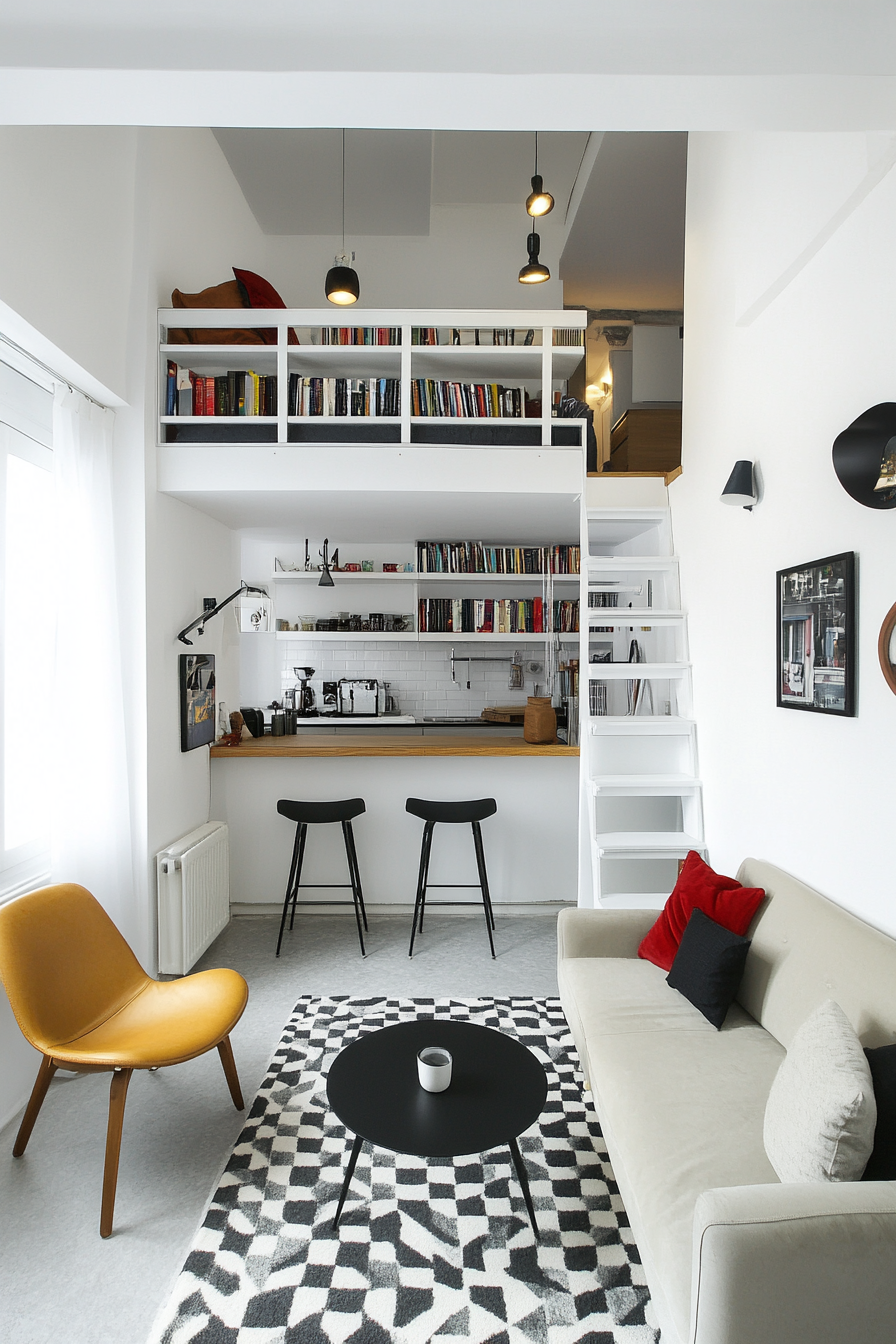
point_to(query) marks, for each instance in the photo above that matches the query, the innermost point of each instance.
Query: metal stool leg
(421, 882)
(432, 831)
(355, 881)
(354, 860)
(483, 883)
(292, 884)
(298, 877)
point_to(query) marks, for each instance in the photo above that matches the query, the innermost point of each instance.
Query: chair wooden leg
(117, 1096)
(36, 1100)
(225, 1050)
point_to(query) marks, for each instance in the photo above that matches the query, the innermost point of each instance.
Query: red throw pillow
(699, 888)
(258, 293)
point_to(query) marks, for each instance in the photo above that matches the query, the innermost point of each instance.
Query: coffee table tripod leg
(524, 1182)
(353, 1158)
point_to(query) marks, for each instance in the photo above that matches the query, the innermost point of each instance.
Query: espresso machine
(303, 695)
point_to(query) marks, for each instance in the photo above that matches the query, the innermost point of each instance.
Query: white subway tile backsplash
(419, 675)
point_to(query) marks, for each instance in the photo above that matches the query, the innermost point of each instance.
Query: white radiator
(194, 896)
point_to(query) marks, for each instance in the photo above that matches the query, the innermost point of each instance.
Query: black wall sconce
(740, 489)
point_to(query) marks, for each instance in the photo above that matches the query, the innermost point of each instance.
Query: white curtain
(91, 840)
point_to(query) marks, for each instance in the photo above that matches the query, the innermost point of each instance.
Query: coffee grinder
(304, 695)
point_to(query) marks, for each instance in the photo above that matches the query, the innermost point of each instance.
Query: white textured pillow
(821, 1112)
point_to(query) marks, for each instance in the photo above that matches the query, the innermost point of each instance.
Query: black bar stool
(314, 814)
(431, 812)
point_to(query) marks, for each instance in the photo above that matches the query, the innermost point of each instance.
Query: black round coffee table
(498, 1089)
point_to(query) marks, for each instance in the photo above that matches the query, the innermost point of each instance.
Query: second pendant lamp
(342, 285)
(535, 271)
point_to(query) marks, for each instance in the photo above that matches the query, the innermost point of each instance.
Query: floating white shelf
(340, 577)
(420, 637)
(415, 576)
(408, 636)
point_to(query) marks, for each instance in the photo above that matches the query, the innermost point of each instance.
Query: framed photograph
(817, 636)
(197, 700)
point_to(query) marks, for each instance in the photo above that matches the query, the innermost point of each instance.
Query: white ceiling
(292, 179)
(626, 245)
(691, 37)
(391, 516)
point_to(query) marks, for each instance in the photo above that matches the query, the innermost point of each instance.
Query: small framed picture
(197, 700)
(817, 636)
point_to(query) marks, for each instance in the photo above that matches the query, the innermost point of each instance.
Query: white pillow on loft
(821, 1112)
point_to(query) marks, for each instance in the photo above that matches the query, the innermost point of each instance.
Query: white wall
(471, 258)
(790, 291)
(97, 227)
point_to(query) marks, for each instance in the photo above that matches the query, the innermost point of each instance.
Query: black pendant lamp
(535, 272)
(342, 284)
(539, 202)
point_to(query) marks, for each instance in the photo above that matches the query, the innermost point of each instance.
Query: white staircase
(642, 803)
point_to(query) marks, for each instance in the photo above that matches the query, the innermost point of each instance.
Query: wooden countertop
(389, 744)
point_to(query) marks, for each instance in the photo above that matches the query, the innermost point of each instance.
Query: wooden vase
(539, 721)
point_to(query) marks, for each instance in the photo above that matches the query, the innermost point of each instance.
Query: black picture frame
(816, 636)
(196, 673)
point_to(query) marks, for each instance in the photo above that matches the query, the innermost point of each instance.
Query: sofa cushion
(257, 292)
(680, 1104)
(882, 1162)
(227, 295)
(708, 966)
(820, 1118)
(698, 887)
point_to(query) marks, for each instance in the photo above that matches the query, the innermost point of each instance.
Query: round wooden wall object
(884, 645)
(857, 455)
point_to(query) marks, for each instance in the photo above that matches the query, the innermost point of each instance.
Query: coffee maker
(303, 693)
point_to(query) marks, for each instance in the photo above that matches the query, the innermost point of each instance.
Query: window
(27, 714)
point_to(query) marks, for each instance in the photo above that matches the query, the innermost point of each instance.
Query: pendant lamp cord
(536, 153)
(343, 186)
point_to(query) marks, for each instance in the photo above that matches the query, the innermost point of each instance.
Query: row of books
(237, 392)
(354, 336)
(494, 616)
(344, 396)
(474, 400)
(478, 557)
(471, 336)
(569, 336)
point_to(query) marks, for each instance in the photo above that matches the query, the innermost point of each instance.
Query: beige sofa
(732, 1256)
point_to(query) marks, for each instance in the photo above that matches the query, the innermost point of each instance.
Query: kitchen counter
(382, 743)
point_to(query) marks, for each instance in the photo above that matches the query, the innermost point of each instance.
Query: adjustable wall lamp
(211, 608)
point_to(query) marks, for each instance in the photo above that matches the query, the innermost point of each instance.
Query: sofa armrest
(795, 1264)
(602, 933)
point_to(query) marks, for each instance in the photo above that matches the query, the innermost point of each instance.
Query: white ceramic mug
(434, 1068)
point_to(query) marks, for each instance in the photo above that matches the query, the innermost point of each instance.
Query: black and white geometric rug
(437, 1249)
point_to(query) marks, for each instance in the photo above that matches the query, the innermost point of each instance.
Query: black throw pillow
(708, 966)
(882, 1162)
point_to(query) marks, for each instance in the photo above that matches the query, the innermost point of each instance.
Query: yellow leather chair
(82, 999)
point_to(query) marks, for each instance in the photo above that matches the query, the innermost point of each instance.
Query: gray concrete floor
(58, 1280)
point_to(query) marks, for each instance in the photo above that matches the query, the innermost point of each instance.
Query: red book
(209, 396)
(538, 616)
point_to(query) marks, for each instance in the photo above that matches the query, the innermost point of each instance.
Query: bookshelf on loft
(489, 378)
